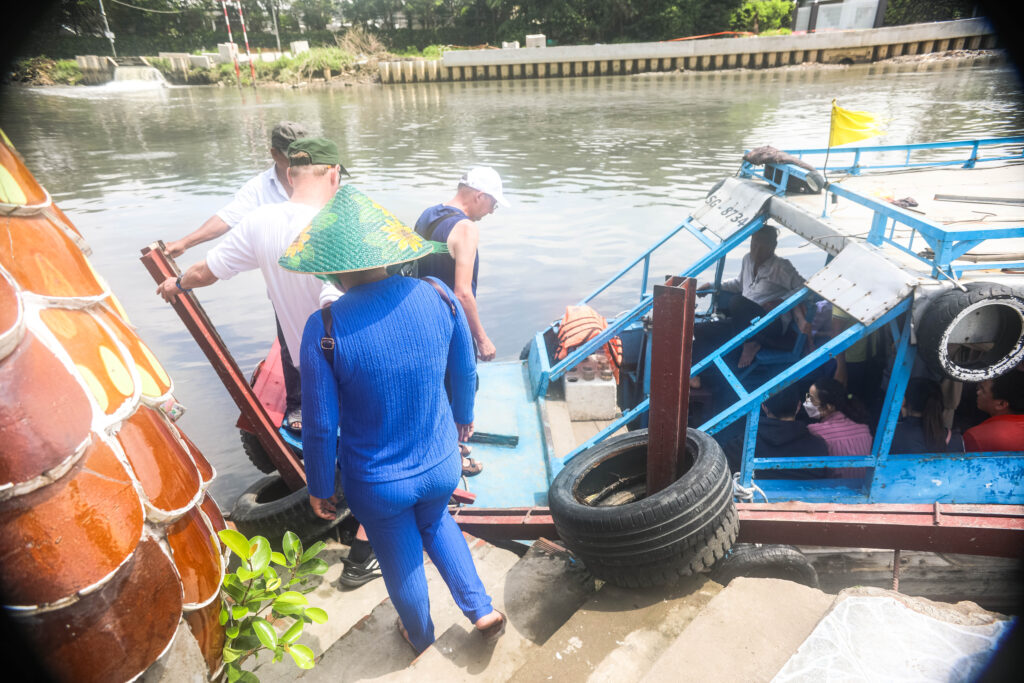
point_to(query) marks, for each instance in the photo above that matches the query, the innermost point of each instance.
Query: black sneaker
(357, 573)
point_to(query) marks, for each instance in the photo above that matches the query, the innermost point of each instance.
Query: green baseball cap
(313, 151)
(352, 233)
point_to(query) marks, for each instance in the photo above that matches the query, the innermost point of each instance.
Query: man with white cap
(454, 223)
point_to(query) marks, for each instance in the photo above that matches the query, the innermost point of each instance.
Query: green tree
(316, 14)
(916, 11)
(762, 15)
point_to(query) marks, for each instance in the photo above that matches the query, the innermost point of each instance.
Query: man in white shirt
(765, 281)
(269, 187)
(260, 239)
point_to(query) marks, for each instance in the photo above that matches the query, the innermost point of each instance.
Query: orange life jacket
(581, 324)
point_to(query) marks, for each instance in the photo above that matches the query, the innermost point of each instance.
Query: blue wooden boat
(881, 263)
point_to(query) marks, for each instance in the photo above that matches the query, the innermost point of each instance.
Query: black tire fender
(256, 453)
(652, 540)
(269, 509)
(994, 311)
(765, 561)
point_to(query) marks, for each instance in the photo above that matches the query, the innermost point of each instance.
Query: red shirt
(998, 433)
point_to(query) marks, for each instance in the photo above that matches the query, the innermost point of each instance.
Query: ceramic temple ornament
(108, 535)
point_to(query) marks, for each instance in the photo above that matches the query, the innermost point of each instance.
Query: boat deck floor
(520, 442)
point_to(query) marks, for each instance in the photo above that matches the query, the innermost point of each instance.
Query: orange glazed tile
(95, 355)
(206, 470)
(155, 381)
(195, 556)
(8, 305)
(44, 414)
(30, 190)
(206, 628)
(159, 461)
(67, 536)
(43, 259)
(116, 632)
(213, 513)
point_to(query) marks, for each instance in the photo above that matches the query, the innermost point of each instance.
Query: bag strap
(444, 296)
(432, 228)
(327, 341)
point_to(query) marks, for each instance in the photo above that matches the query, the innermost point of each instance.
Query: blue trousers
(402, 519)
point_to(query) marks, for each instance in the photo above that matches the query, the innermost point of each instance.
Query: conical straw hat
(351, 233)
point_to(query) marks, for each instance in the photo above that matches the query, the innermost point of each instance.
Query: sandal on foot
(404, 633)
(470, 467)
(293, 420)
(465, 450)
(495, 630)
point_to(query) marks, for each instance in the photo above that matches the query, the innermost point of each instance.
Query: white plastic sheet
(881, 639)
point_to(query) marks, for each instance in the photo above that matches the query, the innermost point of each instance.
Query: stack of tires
(629, 539)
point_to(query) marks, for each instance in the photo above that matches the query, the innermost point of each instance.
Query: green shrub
(256, 591)
(66, 71)
(313, 63)
(776, 32)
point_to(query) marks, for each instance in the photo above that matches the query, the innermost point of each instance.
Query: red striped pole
(231, 41)
(252, 69)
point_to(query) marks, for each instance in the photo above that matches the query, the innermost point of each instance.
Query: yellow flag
(850, 126)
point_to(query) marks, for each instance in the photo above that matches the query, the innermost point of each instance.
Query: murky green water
(597, 169)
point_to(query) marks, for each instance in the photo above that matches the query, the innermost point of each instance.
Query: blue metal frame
(923, 477)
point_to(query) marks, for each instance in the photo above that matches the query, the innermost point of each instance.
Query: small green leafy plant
(256, 587)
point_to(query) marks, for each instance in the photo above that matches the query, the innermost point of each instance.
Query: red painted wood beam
(161, 267)
(995, 530)
(671, 354)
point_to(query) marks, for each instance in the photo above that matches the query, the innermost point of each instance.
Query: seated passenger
(1003, 399)
(920, 429)
(779, 435)
(840, 422)
(765, 281)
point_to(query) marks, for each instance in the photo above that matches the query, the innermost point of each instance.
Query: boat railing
(897, 227)
(975, 155)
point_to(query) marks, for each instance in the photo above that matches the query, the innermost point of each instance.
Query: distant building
(832, 15)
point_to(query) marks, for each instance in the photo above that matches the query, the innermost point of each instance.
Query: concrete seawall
(837, 47)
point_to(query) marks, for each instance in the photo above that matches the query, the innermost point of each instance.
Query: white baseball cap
(486, 180)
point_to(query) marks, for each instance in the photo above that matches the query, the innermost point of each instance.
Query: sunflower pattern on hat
(352, 233)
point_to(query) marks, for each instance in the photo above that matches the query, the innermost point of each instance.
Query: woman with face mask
(840, 422)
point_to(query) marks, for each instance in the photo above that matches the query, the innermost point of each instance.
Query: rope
(743, 493)
(154, 11)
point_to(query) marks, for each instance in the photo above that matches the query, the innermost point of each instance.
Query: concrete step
(745, 633)
(370, 646)
(619, 633)
(539, 593)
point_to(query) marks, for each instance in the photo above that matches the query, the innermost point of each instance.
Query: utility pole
(106, 30)
(277, 34)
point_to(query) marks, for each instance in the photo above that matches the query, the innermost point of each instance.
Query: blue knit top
(395, 340)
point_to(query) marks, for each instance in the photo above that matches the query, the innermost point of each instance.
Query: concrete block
(385, 72)
(298, 47)
(407, 73)
(200, 61)
(492, 72)
(591, 646)
(421, 71)
(536, 40)
(503, 72)
(514, 45)
(744, 649)
(227, 52)
(592, 399)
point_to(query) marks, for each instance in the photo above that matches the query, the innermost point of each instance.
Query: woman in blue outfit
(374, 367)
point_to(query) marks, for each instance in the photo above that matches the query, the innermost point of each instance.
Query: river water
(597, 169)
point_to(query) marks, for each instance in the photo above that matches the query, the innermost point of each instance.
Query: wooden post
(161, 267)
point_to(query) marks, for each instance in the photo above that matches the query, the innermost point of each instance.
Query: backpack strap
(327, 341)
(432, 228)
(444, 296)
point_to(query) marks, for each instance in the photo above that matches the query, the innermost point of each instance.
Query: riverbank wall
(833, 47)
